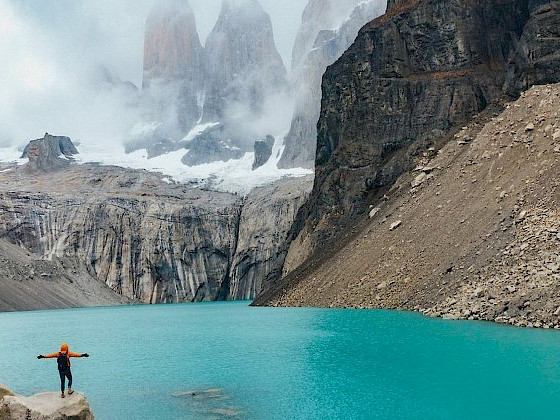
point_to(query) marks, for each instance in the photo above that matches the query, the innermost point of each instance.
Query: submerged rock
(44, 406)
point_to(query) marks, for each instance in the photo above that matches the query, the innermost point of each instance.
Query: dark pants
(63, 375)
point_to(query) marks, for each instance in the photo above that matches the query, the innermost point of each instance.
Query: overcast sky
(111, 32)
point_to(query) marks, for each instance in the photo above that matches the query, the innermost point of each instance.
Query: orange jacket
(69, 354)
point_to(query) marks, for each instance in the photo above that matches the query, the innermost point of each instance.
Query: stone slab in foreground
(43, 406)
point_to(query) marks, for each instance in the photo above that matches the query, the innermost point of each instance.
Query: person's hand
(85, 355)
(40, 356)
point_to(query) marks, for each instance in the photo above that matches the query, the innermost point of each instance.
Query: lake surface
(268, 363)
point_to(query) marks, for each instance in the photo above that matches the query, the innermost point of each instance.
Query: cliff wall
(146, 239)
(413, 76)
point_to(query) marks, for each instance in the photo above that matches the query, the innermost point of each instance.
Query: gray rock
(419, 180)
(267, 216)
(211, 146)
(45, 406)
(242, 64)
(373, 212)
(395, 225)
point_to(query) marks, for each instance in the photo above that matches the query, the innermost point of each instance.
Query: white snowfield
(231, 176)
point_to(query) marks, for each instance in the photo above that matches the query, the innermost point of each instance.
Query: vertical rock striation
(144, 238)
(267, 215)
(155, 249)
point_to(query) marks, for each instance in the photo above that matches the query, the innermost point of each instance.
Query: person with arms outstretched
(63, 360)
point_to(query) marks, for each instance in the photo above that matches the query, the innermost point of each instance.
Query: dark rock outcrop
(411, 77)
(326, 47)
(263, 151)
(215, 144)
(49, 153)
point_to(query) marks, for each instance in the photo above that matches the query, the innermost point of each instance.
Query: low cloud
(66, 64)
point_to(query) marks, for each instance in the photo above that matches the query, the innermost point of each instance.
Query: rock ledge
(44, 406)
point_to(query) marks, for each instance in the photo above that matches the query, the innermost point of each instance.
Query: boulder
(45, 406)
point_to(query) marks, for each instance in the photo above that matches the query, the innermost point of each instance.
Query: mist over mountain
(328, 28)
(199, 83)
(57, 50)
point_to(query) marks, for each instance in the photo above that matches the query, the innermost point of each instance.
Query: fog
(60, 60)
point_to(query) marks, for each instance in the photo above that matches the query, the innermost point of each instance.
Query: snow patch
(235, 175)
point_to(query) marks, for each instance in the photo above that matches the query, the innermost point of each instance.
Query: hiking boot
(62, 395)
(70, 391)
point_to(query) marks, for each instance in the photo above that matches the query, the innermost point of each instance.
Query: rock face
(242, 70)
(328, 29)
(49, 153)
(144, 238)
(156, 245)
(45, 406)
(266, 218)
(411, 76)
(478, 239)
(228, 82)
(173, 64)
(263, 151)
(243, 65)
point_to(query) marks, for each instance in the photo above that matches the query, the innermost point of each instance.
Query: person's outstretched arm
(48, 356)
(72, 354)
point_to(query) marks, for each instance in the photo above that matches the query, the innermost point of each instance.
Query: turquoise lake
(269, 363)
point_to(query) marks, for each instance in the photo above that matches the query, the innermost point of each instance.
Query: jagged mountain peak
(242, 61)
